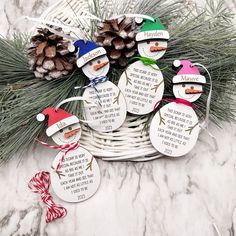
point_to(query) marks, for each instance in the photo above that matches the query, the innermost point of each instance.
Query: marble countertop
(164, 197)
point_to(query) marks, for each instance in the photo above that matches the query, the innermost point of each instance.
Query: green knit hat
(152, 30)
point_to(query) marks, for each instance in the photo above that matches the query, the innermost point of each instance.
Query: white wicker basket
(129, 142)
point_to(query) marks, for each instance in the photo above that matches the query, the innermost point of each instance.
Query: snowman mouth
(100, 66)
(185, 97)
(97, 74)
(150, 54)
(69, 141)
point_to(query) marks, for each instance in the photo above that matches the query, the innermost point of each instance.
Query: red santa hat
(57, 119)
(189, 73)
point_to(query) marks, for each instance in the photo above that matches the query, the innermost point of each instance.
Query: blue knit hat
(87, 51)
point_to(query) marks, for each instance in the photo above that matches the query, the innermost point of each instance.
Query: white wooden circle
(90, 72)
(171, 136)
(179, 91)
(79, 182)
(59, 136)
(113, 112)
(144, 48)
(142, 87)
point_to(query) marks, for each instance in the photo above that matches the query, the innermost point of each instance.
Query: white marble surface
(165, 197)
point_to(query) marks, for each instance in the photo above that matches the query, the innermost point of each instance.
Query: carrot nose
(99, 66)
(157, 48)
(71, 133)
(193, 91)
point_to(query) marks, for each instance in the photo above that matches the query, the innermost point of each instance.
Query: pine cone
(49, 55)
(117, 36)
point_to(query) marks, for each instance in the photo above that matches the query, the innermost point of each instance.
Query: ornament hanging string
(148, 62)
(93, 83)
(40, 184)
(79, 98)
(134, 15)
(76, 30)
(208, 103)
(64, 148)
(204, 124)
(176, 100)
(67, 147)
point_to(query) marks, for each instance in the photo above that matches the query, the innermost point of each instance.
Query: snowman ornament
(75, 175)
(95, 65)
(175, 127)
(143, 84)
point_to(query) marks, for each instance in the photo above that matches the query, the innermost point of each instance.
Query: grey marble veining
(165, 197)
(177, 197)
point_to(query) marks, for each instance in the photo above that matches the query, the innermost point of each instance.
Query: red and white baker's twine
(40, 184)
(67, 147)
(41, 181)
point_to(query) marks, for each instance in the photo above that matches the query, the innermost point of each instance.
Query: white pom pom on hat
(71, 47)
(40, 117)
(56, 119)
(139, 20)
(177, 63)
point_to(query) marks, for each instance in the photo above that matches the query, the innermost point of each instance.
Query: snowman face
(154, 49)
(97, 67)
(68, 134)
(187, 91)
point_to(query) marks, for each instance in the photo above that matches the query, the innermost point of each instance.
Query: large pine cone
(117, 36)
(49, 55)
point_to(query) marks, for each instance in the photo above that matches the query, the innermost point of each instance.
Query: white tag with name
(174, 129)
(78, 177)
(111, 112)
(142, 87)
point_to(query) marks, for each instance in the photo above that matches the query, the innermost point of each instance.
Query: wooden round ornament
(78, 178)
(75, 174)
(142, 86)
(111, 111)
(174, 129)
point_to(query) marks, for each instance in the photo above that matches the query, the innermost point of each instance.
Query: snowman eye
(69, 128)
(192, 87)
(156, 43)
(90, 63)
(98, 61)
(183, 85)
(61, 130)
(148, 42)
